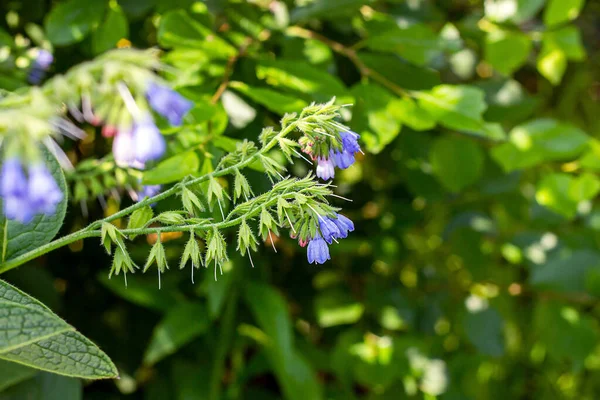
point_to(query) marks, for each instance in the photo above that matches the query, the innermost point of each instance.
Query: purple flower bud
(329, 229)
(317, 251)
(148, 143)
(168, 103)
(13, 190)
(344, 225)
(44, 193)
(325, 168)
(123, 149)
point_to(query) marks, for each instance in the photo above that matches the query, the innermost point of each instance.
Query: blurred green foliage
(474, 271)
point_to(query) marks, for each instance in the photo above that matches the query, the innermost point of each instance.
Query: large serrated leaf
(18, 238)
(32, 335)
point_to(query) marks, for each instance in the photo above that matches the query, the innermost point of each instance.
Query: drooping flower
(344, 225)
(168, 103)
(329, 229)
(342, 159)
(124, 149)
(13, 189)
(345, 158)
(43, 191)
(317, 251)
(325, 168)
(149, 144)
(350, 141)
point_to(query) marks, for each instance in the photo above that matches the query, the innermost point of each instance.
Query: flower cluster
(330, 229)
(340, 154)
(142, 142)
(26, 196)
(116, 91)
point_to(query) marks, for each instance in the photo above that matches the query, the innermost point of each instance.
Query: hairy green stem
(35, 253)
(93, 229)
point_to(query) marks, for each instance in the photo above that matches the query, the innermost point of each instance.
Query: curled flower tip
(350, 141)
(329, 229)
(44, 193)
(344, 224)
(302, 242)
(13, 189)
(345, 158)
(168, 103)
(149, 144)
(325, 168)
(317, 251)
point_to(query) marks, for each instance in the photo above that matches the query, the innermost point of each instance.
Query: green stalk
(93, 229)
(35, 253)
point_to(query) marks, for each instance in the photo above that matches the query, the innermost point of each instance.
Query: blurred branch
(264, 35)
(351, 54)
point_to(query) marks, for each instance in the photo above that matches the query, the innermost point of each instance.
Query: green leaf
(562, 193)
(327, 9)
(45, 386)
(140, 217)
(296, 378)
(179, 29)
(458, 107)
(566, 274)
(18, 238)
(400, 72)
(553, 192)
(558, 47)
(573, 336)
(374, 117)
(416, 43)
(11, 374)
(114, 27)
(413, 116)
(527, 9)
(485, 330)
(507, 51)
(560, 11)
(143, 292)
(456, 162)
(216, 293)
(34, 336)
(337, 308)
(173, 169)
(585, 187)
(274, 101)
(300, 77)
(537, 141)
(70, 22)
(182, 324)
